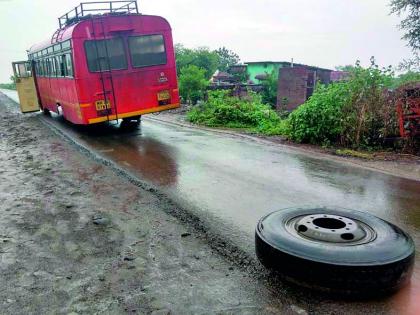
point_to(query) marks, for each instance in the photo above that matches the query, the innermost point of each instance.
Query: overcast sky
(324, 33)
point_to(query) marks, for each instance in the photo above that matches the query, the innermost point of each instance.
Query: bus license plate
(100, 105)
(163, 95)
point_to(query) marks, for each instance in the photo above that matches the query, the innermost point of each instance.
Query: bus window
(22, 69)
(42, 67)
(66, 45)
(147, 50)
(96, 53)
(62, 63)
(46, 67)
(58, 66)
(69, 65)
(53, 67)
(50, 68)
(48, 72)
(39, 65)
(36, 63)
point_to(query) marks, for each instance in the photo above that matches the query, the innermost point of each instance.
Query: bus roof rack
(86, 9)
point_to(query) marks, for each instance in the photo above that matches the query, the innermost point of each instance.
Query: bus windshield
(98, 50)
(147, 50)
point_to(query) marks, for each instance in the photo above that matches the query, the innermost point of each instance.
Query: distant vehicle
(105, 62)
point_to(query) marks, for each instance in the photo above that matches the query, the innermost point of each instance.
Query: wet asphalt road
(238, 181)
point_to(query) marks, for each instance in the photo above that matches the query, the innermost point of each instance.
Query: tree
(411, 25)
(411, 65)
(201, 57)
(269, 91)
(346, 68)
(404, 78)
(192, 83)
(227, 58)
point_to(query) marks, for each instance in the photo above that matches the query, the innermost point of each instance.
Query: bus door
(25, 85)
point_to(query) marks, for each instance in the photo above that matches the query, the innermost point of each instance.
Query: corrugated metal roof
(286, 63)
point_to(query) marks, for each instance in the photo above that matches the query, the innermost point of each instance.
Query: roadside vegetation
(249, 113)
(358, 113)
(355, 113)
(196, 66)
(9, 86)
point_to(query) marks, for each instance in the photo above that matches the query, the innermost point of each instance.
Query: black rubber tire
(376, 268)
(130, 124)
(46, 112)
(132, 120)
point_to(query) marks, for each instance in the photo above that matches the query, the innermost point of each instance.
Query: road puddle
(146, 157)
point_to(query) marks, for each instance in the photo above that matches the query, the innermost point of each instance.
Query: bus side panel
(69, 100)
(44, 92)
(60, 91)
(55, 90)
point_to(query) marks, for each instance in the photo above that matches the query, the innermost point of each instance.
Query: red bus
(105, 62)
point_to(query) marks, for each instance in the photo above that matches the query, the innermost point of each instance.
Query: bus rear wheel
(46, 112)
(131, 122)
(135, 119)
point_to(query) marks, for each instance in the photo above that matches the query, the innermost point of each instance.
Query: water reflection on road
(146, 157)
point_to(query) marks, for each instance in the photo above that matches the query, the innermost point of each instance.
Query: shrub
(9, 86)
(192, 83)
(367, 108)
(408, 77)
(319, 120)
(355, 113)
(269, 89)
(223, 110)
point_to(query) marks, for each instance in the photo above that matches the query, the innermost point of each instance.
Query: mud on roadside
(75, 238)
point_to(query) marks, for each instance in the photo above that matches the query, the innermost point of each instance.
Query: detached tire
(340, 251)
(46, 112)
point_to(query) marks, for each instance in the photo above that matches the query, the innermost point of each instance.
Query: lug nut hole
(302, 228)
(347, 236)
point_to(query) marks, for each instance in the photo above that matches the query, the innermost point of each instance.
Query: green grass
(353, 153)
(250, 114)
(9, 86)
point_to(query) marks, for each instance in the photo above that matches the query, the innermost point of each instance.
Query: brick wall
(297, 84)
(292, 88)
